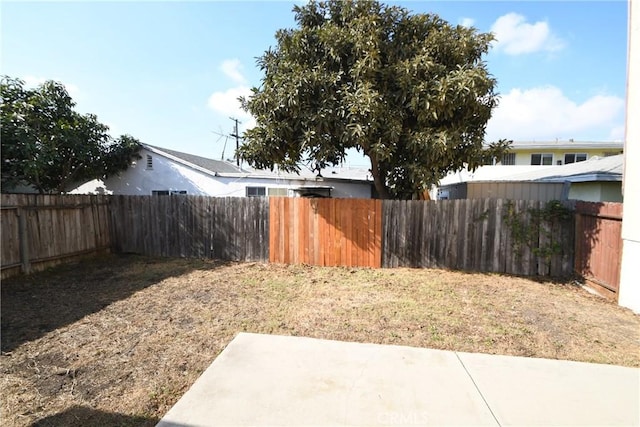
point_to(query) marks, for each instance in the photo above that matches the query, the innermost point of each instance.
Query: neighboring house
(553, 153)
(596, 180)
(162, 171)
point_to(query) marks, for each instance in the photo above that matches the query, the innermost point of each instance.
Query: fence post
(24, 241)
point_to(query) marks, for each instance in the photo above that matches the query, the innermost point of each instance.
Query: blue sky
(169, 73)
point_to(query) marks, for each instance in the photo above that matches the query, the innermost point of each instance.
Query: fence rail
(39, 231)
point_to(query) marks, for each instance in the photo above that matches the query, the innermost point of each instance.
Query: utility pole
(237, 137)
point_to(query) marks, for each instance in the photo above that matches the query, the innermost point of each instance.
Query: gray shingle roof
(211, 165)
(222, 167)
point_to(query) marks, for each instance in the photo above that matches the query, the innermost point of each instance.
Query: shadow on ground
(83, 416)
(36, 304)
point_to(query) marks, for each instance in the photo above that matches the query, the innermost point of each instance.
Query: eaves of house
(567, 145)
(219, 168)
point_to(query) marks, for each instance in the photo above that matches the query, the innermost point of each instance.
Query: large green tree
(409, 91)
(50, 146)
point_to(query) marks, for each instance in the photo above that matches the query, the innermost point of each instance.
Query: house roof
(222, 168)
(215, 166)
(594, 169)
(567, 145)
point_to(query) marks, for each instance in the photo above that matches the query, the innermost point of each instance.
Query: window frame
(508, 159)
(575, 157)
(262, 191)
(542, 157)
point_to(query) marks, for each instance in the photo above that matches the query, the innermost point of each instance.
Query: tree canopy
(50, 146)
(410, 91)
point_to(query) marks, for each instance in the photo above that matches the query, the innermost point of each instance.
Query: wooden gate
(598, 245)
(325, 232)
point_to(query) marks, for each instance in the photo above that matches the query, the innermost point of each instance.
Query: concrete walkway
(264, 380)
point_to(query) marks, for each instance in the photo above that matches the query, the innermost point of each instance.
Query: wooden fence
(473, 235)
(598, 245)
(233, 228)
(476, 235)
(325, 232)
(39, 231)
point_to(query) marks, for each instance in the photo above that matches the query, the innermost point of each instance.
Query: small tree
(48, 145)
(409, 91)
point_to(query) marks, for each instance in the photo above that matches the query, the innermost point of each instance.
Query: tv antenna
(224, 147)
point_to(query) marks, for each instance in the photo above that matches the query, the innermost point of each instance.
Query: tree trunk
(378, 179)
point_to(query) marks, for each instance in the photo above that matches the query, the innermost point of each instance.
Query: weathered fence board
(39, 231)
(233, 229)
(326, 232)
(598, 245)
(471, 235)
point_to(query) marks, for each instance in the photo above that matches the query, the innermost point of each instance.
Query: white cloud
(617, 133)
(232, 68)
(226, 103)
(515, 36)
(33, 81)
(466, 22)
(546, 113)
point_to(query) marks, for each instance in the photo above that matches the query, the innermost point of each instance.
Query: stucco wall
(612, 192)
(169, 175)
(596, 191)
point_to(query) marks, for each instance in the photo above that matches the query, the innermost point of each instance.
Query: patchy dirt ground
(117, 340)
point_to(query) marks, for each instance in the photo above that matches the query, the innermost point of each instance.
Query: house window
(256, 191)
(149, 162)
(168, 192)
(509, 159)
(542, 159)
(611, 153)
(278, 191)
(574, 158)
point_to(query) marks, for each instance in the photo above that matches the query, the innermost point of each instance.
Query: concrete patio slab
(528, 391)
(278, 380)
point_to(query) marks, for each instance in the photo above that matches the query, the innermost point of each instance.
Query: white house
(162, 171)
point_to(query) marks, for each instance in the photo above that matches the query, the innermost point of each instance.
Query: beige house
(552, 153)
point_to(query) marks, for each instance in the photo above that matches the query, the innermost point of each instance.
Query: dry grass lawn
(117, 340)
